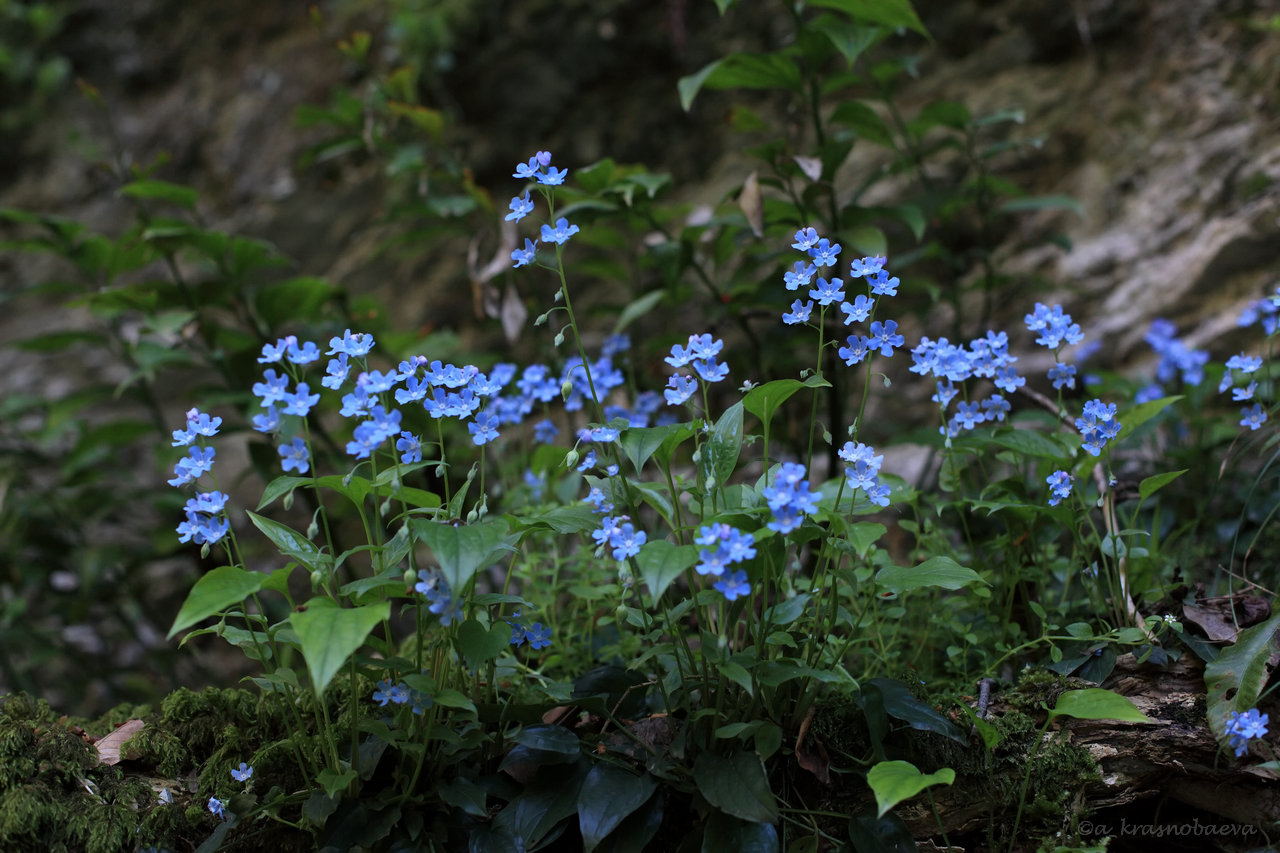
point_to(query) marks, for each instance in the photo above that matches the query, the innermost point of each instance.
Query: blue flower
(866, 268)
(300, 402)
(482, 429)
(709, 370)
(882, 284)
(828, 291)
(243, 773)
(274, 353)
(271, 389)
(1063, 375)
(553, 177)
(538, 636)
(560, 234)
(1244, 727)
(199, 460)
(356, 345)
(436, 591)
(800, 312)
(208, 502)
(1244, 362)
(517, 633)
(410, 448)
(615, 345)
(799, 275)
(527, 254)
(1059, 487)
(382, 695)
(268, 423)
(680, 389)
(806, 239)
(295, 456)
(520, 208)
(790, 500)
(824, 253)
(599, 502)
(969, 415)
(545, 431)
(215, 806)
(859, 310)
(626, 541)
(336, 372)
(856, 350)
(305, 354)
(995, 407)
(734, 586)
(1008, 380)
(1253, 418)
(884, 337)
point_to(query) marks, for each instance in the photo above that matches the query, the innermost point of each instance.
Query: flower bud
(317, 579)
(559, 338)
(571, 459)
(410, 578)
(620, 615)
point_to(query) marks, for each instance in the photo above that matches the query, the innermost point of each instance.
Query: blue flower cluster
(985, 358)
(724, 546)
(539, 170)
(700, 353)
(789, 498)
(537, 635)
(435, 589)
(822, 253)
(1098, 426)
(1244, 727)
(400, 694)
(620, 535)
(206, 522)
(1059, 487)
(862, 470)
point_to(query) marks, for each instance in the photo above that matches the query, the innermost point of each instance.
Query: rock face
(1159, 118)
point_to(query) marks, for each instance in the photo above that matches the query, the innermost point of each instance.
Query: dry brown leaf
(751, 201)
(811, 166)
(109, 746)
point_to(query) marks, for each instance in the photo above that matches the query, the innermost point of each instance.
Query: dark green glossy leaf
(898, 702)
(660, 563)
(479, 645)
(737, 785)
(329, 635)
(215, 592)
(609, 795)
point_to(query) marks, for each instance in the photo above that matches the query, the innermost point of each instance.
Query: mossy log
(1168, 776)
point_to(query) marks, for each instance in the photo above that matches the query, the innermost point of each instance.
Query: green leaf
(461, 551)
(163, 191)
(788, 611)
(937, 571)
(863, 534)
(293, 299)
(1094, 703)
(847, 37)
(1235, 680)
(864, 121)
(328, 635)
(738, 674)
(213, 593)
(895, 781)
(721, 450)
(289, 541)
(609, 794)
(893, 14)
(637, 308)
(641, 443)
(737, 785)
(335, 782)
(899, 703)
(280, 487)
(868, 240)
(725, 834)
(1131, 419)
(1027, 442)
(549, 739)
(764, 400)
(661, 562)
(480, 645)
(1153, 484)
(741, 71)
